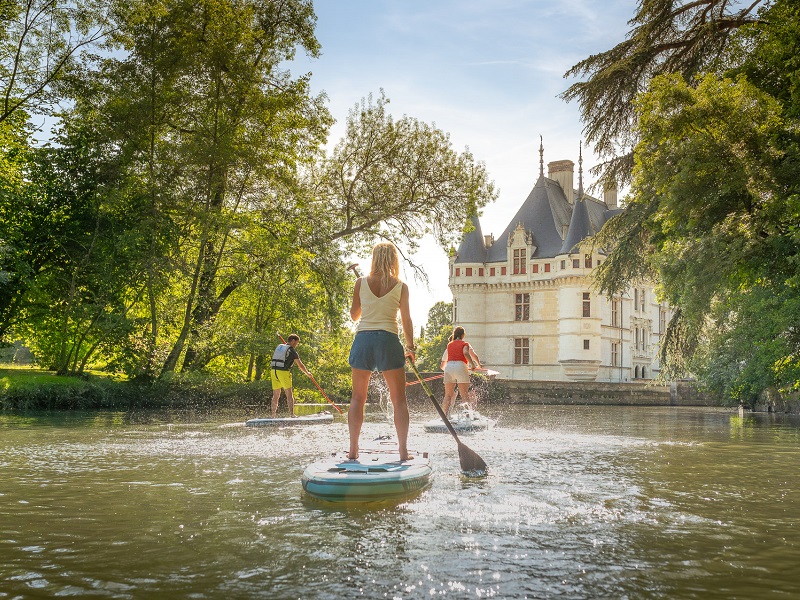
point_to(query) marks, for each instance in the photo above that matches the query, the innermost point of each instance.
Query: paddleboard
(490, 373)
(315, 419)
(464, 419)
(377, 475)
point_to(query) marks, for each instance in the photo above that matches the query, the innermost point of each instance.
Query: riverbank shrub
(34, 389)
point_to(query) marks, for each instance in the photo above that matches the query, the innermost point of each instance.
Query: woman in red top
(455, 359)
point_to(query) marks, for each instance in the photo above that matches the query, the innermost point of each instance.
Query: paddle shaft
(439, 376)
(438, 406)
(315, 382)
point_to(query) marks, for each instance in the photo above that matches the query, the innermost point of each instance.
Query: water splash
(378, 386)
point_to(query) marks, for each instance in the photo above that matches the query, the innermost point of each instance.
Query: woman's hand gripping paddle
(470, 461)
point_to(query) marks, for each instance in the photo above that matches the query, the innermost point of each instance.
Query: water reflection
(580, 502)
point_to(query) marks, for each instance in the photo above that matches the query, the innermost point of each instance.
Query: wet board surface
(376, 475)
(315, 419)
(462, 420)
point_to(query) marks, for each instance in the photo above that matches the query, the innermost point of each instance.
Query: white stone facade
(532, 316)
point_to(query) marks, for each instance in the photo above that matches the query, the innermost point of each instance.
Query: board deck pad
(377, 475)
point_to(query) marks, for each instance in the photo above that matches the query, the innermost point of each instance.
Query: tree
(19, 221)
(437, 332)
(665, 37)
(187, 212)
(204, 110)
(714, 201)
(39, 42)
(398, 180)
(77, 241)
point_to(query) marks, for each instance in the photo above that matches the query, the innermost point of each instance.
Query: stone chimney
(562, 171)
(610, 196)
(488, 240)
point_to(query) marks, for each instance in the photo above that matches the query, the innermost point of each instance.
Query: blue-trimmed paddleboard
(315, 419)
(376, 475)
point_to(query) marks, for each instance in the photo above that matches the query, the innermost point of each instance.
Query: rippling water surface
(580, 502)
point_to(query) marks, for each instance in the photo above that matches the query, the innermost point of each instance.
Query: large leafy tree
(87, 249)
(666, 36)
(189, 210)
(397, 179)
(714, 207)
(203, 109)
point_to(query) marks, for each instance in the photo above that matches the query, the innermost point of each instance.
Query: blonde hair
(385, 263)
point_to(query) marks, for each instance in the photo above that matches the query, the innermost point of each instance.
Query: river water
(580, 502)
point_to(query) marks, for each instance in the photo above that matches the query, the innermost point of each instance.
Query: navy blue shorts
(376, 350)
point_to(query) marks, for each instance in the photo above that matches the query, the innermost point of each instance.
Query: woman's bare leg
(463, 389)
(449, 391)
(355, 414)
(396, 380)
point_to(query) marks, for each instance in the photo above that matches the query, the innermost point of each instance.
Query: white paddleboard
(315, 419)
(490, 373)
(377, 475)
(463, 419)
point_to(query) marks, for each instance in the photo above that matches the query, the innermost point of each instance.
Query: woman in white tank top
(377, 299)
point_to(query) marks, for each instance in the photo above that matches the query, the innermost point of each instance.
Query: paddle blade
(471, 463)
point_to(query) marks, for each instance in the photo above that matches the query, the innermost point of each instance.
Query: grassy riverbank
(36, 389)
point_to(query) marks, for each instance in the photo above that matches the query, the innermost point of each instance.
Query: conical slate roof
(472, 248)
(580, 227)
(543, 214)
(546, 215)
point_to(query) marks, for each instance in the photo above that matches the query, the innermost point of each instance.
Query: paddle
(470, 461)
(487, 372)
(439, 376)
(315, 383)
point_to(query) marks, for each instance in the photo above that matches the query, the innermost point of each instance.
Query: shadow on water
(580, 502)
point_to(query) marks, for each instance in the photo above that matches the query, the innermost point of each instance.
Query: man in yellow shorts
(283, 359)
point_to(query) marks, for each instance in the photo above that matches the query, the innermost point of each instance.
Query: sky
(487, 73)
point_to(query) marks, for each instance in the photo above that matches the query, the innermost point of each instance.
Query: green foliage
(666, 37)
(753, 344)
(15, 158)
(190, 101)
(31, 389)
(326, 356)
(399, 180)
(715, 203)
(27, 389)
(87, 245)
(185, 212)
(436, 336)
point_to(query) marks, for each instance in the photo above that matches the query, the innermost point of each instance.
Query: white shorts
(456, 371)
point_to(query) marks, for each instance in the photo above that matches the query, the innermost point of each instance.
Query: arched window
(636, 372)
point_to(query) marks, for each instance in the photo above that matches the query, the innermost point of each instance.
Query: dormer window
(519, 261)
